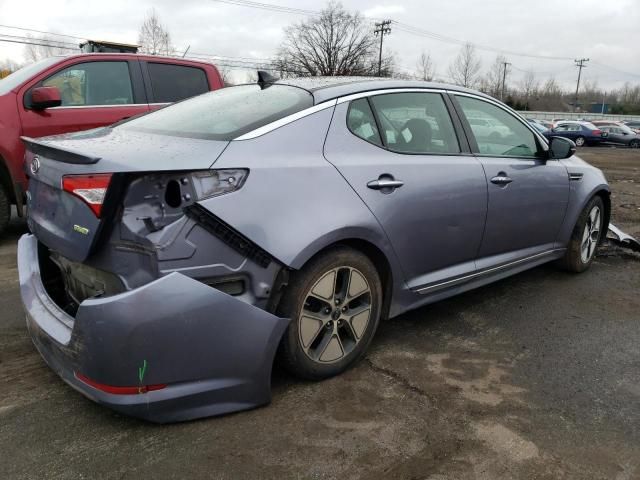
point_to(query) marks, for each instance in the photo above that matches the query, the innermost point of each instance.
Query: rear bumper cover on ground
(213, 352)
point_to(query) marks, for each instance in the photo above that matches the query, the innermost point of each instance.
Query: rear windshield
(224, 114)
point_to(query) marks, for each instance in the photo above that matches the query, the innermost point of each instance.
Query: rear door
(168, 82)
(528, 195)
(401, 154)
(614, 135)
(94, 93)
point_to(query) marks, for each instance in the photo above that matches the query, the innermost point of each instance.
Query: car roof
(329, 88)
(141, 56)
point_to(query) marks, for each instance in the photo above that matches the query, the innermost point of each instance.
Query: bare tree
(494, 76)
(154, 38)
(529, 84)
(425, 68)
(334, 43)
(42, 47)
(466, 66)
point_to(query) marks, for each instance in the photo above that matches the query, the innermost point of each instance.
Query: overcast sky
(606, 31)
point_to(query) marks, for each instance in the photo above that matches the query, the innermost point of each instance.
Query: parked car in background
(163, 272)
(78, 92)
(605, 123)
(488, 127)
(537, 125)
(582, 133)
(633, 125)
(621, 135)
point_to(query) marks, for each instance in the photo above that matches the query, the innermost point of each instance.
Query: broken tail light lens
(210, 183)
(89, 188)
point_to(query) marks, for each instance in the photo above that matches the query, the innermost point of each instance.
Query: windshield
(25, 73)
(224, 114)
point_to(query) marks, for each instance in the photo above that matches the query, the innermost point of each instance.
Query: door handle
(501, 179)
(385, 183)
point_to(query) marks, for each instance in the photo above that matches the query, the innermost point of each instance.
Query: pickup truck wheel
(334, 303)
(5, 209)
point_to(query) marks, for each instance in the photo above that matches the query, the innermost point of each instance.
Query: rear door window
(362, 123)
(171, 83)
(93, 83)
(415, 122)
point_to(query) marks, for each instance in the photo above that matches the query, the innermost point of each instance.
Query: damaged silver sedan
(172, 257)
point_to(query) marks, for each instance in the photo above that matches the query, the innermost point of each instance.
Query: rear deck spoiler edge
(59, 154)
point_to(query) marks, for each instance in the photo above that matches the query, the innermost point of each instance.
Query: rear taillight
(90, 188)
(597, 133)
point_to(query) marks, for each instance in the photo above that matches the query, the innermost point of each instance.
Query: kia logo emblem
(35, 165)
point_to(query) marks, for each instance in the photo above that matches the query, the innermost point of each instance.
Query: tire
(5, 209)
(585, 237)
(581, 142)
(634, 144)
(332, 321)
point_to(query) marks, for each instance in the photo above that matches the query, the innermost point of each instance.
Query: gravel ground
(536, 376)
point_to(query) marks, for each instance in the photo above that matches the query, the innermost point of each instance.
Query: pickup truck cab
(78, 92)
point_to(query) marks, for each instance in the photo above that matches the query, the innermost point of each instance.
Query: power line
(36, 43)
(400, 25)
(269, 6)
(442, 38)
(52, 42)
(41, 31)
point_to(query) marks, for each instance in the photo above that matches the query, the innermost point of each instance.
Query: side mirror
(560, 147)
(45, 97)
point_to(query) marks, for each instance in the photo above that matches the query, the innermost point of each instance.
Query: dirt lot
(537, 376)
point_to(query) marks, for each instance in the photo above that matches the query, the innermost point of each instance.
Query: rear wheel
(334, 304)
(580, 141)
(5, 209)
(635, 144)
(585, 237)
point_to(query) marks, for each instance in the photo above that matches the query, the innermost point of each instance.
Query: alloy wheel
(580, 141)
(335, 315)
(591, 235)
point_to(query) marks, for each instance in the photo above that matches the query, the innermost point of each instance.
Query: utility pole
(580, 64)
(504, 79)
(382, 28)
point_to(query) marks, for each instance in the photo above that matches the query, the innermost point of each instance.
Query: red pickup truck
(83, 91)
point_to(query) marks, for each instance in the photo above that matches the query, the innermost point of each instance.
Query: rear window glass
(224, 114)
(171, 83)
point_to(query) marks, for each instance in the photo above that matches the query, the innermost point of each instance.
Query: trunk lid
(64, 222)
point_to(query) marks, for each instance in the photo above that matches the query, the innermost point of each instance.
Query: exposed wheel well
(606, 199)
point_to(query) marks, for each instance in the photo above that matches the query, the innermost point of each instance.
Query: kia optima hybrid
(173, 257)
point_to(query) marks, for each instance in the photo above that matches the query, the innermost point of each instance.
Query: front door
(401, 154)
(528, 195)
(93, 93)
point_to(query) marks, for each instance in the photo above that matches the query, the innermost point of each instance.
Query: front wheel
(580, 141)
(334, 304)
(634, 144)
(585, 237)
(5, 209)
